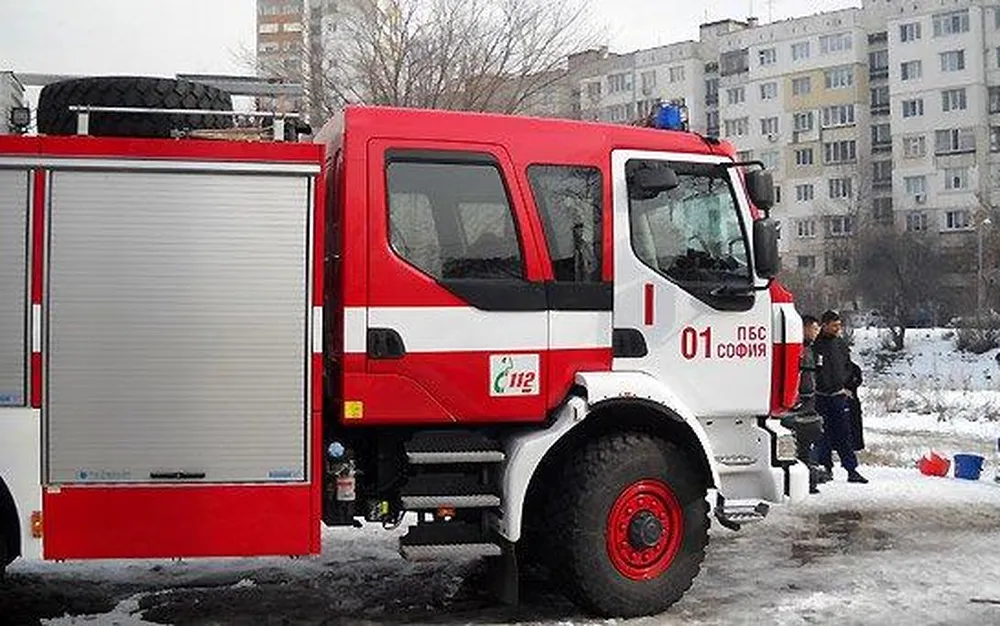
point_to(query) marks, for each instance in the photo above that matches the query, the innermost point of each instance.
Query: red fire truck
(540, 340)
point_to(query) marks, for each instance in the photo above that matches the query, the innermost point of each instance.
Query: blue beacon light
(670, 117)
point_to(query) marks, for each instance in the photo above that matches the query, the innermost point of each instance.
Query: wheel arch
(610, 403)
(10, 526)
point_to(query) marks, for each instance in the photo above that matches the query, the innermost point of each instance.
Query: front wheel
(630, 525)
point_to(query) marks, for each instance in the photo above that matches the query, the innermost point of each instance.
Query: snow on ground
(904, 549)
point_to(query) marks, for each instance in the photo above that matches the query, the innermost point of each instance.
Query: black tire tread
(578, 567)
(55, 118)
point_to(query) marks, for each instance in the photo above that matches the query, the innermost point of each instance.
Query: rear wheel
(630, 525)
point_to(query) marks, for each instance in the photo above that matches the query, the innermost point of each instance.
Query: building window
(648, 79)
(838, 225)
(836, 152)
(915, 185)
(734, 62)
(804, 156)
(839, 77)
(909, 32)
(916, 222)
(744, 155)
(804, 121)
(292, 27)
(882, 172)
(840, 188)
(594, 90)
(953, 100)
(804, 193)
(956, 178)
(837, 263)
(882, 210)
(738, 127)
(914, 146)
(881, 135)
(619, 82)
(910, 70)
(768, 56)
(839, 115)
(267, 28)
(951, 23)
(712, 123)
(994, 94)
(953, 140)
(806, 229)
(953, 61)
(800, 50)
(956, 220)
(878, 63)
(801, 86)
(736, 95)
(806, 263)
(770, 159)
(768, 91)
(994, 138)
(769, 126)
(676, 74)
(830, 44)
(913, 108)
(880, 98)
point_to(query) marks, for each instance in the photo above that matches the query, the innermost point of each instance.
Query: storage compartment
(14, 209)
(177, 327)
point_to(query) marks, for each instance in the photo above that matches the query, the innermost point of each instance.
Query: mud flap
(502, 574)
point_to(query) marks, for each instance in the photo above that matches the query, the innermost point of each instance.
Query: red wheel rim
(636, 506)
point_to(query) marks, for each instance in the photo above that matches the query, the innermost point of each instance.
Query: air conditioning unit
(920, 198)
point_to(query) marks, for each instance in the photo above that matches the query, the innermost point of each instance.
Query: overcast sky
(166, 37)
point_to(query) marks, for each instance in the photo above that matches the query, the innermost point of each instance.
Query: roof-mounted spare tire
(55, 117)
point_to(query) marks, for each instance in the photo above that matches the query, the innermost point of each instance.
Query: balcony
(880, 109)
(878, 73)
(712, 131)
(882, 146)
(882, 184)
(712, 99)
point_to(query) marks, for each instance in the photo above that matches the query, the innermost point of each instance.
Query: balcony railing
(877, 73)
(882, 146)
(880, 109)
(881, 37)
(712, 99)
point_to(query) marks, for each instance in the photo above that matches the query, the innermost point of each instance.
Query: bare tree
(476, 55)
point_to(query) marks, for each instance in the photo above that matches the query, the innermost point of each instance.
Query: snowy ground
(903, 549)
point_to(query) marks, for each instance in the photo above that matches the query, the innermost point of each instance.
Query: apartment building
(281, 45)
(883, 115)
(626, 87)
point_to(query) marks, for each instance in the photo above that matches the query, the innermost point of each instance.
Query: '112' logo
(513, 374)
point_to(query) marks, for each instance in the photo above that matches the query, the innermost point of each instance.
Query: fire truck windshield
(692, 233)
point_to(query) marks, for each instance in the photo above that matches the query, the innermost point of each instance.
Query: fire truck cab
(530, 339)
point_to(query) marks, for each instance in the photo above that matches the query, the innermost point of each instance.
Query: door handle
(385, 343)
(176, 475)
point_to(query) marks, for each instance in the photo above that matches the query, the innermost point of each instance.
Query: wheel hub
(645, 530)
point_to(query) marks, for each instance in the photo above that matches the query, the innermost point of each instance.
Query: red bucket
(934, 465)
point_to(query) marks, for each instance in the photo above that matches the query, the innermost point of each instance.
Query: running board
(734, 515)
(447, 551)
(471, 501)
(441, 447)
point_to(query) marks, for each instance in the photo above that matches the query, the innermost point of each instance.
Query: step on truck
(534, 340)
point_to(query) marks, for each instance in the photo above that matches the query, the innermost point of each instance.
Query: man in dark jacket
(803, 421)
(832, 377)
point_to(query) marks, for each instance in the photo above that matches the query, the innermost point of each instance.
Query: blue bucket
(968, 466)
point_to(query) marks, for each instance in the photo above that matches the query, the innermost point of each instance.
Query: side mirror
(765, 247)
(760, 186)
(651, 181)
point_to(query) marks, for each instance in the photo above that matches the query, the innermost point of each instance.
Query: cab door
(685, 286)
(457, 322)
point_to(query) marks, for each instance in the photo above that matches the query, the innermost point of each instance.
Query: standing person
(832, 395)
(803, 421)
